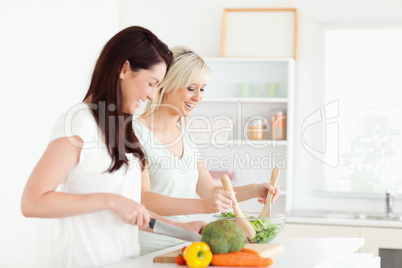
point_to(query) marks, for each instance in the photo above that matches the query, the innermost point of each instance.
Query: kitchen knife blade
(173, 231)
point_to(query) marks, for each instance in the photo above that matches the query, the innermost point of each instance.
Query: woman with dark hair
(90, 174)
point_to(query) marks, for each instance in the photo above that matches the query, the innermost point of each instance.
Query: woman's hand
(220, 201)
(193, 226)
(262, 191)
(130, 211)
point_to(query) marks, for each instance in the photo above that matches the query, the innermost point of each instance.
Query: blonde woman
(175, 174)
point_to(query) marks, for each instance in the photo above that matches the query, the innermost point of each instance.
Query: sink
(381, 217)
(344, 215)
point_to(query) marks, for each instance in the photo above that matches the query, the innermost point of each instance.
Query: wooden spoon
(266, 210)
(246, 227)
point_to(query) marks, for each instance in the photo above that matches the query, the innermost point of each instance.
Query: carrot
(240, 259)
(251, 251)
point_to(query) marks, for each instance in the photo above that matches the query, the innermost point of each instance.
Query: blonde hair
(187, 68)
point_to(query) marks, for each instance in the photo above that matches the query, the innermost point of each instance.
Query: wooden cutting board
(266, 250)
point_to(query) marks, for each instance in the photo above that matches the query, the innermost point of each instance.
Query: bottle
(256, 129)
(278, 125)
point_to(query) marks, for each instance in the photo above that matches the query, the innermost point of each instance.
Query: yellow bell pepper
(198, 255)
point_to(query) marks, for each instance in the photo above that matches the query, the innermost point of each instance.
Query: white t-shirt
(168, 176)
(98, 238)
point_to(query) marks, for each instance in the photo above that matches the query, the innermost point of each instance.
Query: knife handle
(151, 223)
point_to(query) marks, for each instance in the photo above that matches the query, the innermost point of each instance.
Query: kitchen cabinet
(380, 238)
(235, 96)
(376, 238)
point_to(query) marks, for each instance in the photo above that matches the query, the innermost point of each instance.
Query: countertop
(298, 252)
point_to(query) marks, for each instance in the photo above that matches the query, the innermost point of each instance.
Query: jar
(278, 125)
(256, 129)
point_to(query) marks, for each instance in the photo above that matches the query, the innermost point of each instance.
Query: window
(363, 72)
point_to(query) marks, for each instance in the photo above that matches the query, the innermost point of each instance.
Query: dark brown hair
(143, 50)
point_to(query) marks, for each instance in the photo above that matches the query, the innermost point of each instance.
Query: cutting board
(266, 250)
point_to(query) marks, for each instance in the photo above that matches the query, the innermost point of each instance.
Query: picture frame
(265, 32)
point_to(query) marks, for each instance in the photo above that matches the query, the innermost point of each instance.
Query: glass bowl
(267, 228)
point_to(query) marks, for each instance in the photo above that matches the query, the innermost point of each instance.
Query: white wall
(196, 24)
(47, 52)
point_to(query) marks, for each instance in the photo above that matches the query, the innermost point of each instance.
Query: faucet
(389, 203)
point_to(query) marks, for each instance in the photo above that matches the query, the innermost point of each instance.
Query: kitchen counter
(298, 252)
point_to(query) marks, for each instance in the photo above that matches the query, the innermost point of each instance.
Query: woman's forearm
(245, 192)
(170, 206)
(59, 205)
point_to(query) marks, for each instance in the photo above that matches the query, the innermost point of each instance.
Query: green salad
(265, 229)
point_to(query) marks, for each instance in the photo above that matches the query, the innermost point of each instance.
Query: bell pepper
(198, 255)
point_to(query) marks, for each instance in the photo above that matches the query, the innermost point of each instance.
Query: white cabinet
(381, 238)
(224, 139)
(375, 238)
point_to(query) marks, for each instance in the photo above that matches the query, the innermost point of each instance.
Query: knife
(173, 231)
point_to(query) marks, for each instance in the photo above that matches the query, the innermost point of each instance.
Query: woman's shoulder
(79, 112)
(142, 120)
(141, 130)
(81, 117)
(77, 121)
(140, 124)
